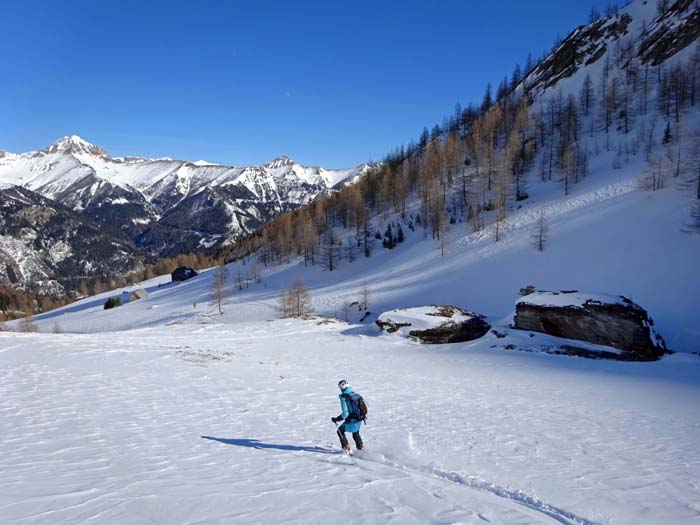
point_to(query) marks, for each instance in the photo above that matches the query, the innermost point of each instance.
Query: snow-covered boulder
(611, 320)
(434, 324)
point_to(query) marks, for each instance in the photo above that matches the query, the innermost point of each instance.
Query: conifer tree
(330, 249)
(541, 231)
(399, 235)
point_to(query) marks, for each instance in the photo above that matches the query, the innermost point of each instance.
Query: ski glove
(336, 419)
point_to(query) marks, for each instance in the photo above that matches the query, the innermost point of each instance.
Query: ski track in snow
(527, 218)
(518, 497)
(197, 423)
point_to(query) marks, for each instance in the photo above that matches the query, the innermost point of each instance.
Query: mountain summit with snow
(166, 206)
(75, 145)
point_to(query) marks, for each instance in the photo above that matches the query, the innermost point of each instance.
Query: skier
(351, 424)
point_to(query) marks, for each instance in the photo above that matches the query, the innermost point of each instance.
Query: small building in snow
(138, 294)
(183, 273)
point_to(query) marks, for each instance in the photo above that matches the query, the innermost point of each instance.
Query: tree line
(17, 302)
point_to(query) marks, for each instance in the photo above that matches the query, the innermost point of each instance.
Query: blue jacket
(352, 426)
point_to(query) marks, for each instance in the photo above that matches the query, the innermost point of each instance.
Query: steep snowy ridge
(636, 33)
(43, 170)
(44, 244)
(165, 206)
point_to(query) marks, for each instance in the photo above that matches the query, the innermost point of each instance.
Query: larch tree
(330, 249)
(365, 294)
(568, 168)
(691, 183)
(694, 224)
(541, 231)
(295, 301)
(218, 286)
(255, 272)
(694, 168)
(402, 187)
(586, 96)
(307, 238)
(83, 289)
(442, 226)
(501, 188)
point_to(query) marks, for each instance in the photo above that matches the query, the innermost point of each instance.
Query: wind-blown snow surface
(201, 422)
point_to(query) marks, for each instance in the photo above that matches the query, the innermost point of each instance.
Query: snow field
(214, 423)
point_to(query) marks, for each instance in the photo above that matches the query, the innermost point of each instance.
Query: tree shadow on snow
(254, 443)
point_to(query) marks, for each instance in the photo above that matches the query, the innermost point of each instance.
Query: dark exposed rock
(586, 44)
(116, 207)
(608, 320)
(665, 35)
(668, 38)
(390, 326)
(52, 247)
(453, 324)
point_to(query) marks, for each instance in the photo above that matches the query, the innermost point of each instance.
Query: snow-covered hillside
(167, 412)
(167, 206)
(607, 237)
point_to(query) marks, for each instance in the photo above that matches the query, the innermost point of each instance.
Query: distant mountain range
(156, 206)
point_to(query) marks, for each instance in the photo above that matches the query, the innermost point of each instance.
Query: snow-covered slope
(166, 411)
(637, 33)
(133, 194)
(606, 237)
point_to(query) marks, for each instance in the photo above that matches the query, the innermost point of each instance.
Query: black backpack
(356, 406)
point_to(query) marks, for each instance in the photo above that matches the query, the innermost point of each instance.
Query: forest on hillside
(472, 170)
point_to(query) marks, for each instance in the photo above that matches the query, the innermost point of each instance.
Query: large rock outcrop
(434, 324)
(610, 320)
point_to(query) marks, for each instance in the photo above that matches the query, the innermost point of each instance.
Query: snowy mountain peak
(280, 162)
(74, 144)
(152, 201)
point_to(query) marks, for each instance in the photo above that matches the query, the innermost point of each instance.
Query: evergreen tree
(389, 241)
(399, 235)
(668, 137)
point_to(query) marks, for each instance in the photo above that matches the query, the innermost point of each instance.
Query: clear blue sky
(330, 83)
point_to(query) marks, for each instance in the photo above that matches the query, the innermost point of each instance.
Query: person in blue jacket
(350, 424)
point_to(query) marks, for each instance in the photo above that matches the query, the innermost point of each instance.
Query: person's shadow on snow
(254, 443)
